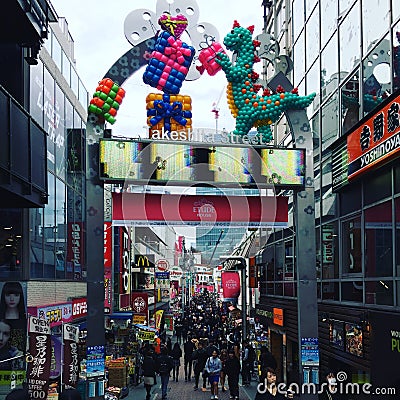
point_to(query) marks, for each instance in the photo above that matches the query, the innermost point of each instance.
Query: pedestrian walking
(223, 357)
(178, 331)
(232, 370)
(176, 354)
(149, 369)
(164, 366)
(188, 349)
(269, 390)
(199, 361)
(213, 368)
(266, 360)
(248, 358)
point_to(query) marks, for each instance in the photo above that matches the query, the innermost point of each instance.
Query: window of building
(397, 238)
(299, 60)
(329, 68)
(49, 118)
(49, 230)
(74, 82)
(350, 102)
(37, 92)
(298, 17)
(352, 291)
(310, 4)
(396, 56)
(330, 291)
(312, 37)
(351, 246)
(61, 234)
(312, 86)
(379, 292)
(329, 13)
(376, 76)
(379, 240)
(279, 267)
(329, 198)
(395, 10)
(349, 40)
(350, 199)
(330, 251)
(83, 95)
(377, 186)
(330, 121)
(375, 22)
(344, 6)
(57, 53)
(66, 68)
(59, 132)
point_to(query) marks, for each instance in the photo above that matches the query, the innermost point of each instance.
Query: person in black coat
(232, 369)
(266, 360)
(199, 358)
(188, 349)
(176, 354)
(149, 369)
(164, 365)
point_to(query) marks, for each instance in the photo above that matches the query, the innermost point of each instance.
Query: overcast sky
(97, 27)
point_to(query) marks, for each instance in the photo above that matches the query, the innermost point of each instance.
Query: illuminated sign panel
(180, 163)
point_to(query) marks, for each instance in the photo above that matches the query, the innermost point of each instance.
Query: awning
(120, 315)
(145, 328)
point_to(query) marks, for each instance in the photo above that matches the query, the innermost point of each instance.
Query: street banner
(139, 319)
(71, 368)
(38, 358)
(230, 285)
(140, 303)
(158, 317)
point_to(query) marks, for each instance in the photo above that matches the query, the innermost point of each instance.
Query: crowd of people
(212, 353)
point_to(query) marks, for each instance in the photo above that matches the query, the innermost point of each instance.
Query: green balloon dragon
(249, 108)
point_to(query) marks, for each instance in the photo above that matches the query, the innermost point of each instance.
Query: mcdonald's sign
(142, 261)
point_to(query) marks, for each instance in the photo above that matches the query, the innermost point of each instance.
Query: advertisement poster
(354, 339)
(230, 285)
(39, 358)
(71, 367)
(56, 314)
(158, 318)
(309, 352)
(336, 334)
(13, 330)
(95, 364)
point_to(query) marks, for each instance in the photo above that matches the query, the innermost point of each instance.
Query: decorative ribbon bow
(164, 110)
(176, 51)
(171, 24)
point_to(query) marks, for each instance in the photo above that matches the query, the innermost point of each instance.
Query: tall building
(347, 51)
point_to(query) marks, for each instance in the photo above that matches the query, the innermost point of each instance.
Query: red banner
(140, 303)
(125, 262)
(196, 209)
(107, 290)
(70, 370)
(79, 308)
(107, 244)
(39, 358)
(230, 285)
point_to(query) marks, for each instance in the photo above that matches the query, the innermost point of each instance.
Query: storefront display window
(349, 37)
(350, 199)
(312, 38)
(379, 292)
(379, 240)
(377, 187)
(350, 102)
(352, 291)
(375, 21)
(351, 246)
(329, 68)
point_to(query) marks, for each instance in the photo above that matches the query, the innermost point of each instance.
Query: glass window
(349, 36)
(352, 291)
(329, 68)
(376, 76)
(312, 37)
(49, 230)
(56, 54)
(83, 95)
(289, 273)
(379, 292)
(330, 251)
(36, 92)
(329, 198)
(397, 215)
(395, 10)
(379, 240)
(66, 68)
(350, 103)
(36, 242)
(59, 132)
(61, 234)
(377, 186)
(298, 17)
(329, 13)
(375, 18)
(310, 4)
(270, 269)
(279, 267)
(350, 199)
(313, 87)
(47, 42)
(344, 5)
(74, 82)
(330, 291)
(351, 246)
(329, 121)
(49, 118)
(298, 60)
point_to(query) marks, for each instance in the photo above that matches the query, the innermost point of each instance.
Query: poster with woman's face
(12, 325)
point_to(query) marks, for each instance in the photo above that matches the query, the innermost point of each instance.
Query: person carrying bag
(149, 372)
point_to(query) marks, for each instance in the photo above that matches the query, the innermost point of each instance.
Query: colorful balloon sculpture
(106, 100)
(207, 58)
(249, 108)
(174, 25)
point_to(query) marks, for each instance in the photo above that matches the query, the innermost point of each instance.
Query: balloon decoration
(207, 57)
(169, 64)
(106, 100)
(174, 25)
(169, 113)
(249, 108)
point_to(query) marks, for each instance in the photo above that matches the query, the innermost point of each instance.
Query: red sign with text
(230, 285)
(79, 308)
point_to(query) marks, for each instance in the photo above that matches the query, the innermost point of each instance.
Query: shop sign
(340, 163)
(252, 273)
(125, 286)
(107, 290)
(107, 244)
(79, 308)
(327, 244)
(56, 314)
(39, 358)
(230, 285)
(146, 335)
(278, 316)
(375, 141)
(140, 303)
(158, 317)
(138, 319)
(309, 352)
(70, 355)
(95, 361)
(175, 273)
(265, 313)
(75, 239)
(162, 265)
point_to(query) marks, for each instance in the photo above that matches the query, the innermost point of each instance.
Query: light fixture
(324, 317)
(7, 228)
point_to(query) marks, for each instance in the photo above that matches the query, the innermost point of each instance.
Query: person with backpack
(248, 358)
(164, 366)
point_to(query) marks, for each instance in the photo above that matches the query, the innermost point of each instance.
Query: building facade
(348, 53)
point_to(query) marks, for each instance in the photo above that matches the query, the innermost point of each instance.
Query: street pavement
(182, 390)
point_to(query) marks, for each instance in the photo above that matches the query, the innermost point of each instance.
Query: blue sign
(95, 361)
(162, 275)
(309, 352)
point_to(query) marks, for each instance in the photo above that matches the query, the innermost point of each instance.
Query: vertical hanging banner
(230, 285)
(140, 301)
(158, 317)
(70, 369)
(39, 358)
